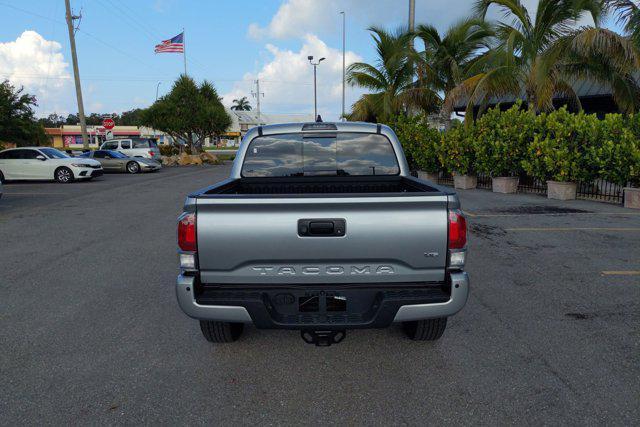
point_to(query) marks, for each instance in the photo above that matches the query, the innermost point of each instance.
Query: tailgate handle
(322, 227)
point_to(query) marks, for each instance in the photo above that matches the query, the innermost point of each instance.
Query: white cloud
(295, 18)
(287, 80)
(39, 66)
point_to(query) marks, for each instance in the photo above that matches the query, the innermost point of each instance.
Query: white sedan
(45, 163)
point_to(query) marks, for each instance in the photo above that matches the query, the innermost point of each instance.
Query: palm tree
(391, 80)
(628, 14)
(450, 58)
(538, 59)
(241, 104)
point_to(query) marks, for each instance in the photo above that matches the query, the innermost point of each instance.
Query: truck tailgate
(255, 240)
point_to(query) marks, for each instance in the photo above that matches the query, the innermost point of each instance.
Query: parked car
(134, 147)
(45, 163)
(321, 228)
(114, 161)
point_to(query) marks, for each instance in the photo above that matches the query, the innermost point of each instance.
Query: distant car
(45, 163)
(114, 161)
(134, 147)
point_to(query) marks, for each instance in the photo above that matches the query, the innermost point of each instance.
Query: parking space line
(481, 215)
(34, 194)
(574, 229)
(622, 273)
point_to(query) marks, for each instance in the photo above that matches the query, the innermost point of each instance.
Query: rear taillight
(152, 153)
(457, 230)
(187, 240)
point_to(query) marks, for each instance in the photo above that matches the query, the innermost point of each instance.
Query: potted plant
(501, 140)
(426, 156)
(617, 155)
(559, 152)
(457, 154)
(419, 143)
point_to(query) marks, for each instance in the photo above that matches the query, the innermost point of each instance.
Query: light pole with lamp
(343, 118)
(154, 131)
(315, 90)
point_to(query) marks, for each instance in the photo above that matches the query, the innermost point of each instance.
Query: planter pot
(505, 184)
(632, 197)
(561, 190)
(465, 182)
(429, 176)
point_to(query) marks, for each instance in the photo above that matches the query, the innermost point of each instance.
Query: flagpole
(184, 51)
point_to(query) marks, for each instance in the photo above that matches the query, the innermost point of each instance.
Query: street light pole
(315, 86)
(343, 60)
(157, 86)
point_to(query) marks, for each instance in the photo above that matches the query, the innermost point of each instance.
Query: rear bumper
(385, 304)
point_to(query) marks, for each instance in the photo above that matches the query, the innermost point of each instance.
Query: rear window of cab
(320, 154)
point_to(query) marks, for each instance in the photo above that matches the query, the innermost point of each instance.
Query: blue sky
(230, 43)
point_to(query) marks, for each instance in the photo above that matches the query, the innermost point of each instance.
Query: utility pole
(412, 15)
(76, 74)
(257, 94)
(343, 61)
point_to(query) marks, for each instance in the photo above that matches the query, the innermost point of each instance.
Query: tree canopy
(241, 104)
(533, 55)
(188, 113)
(17, 121)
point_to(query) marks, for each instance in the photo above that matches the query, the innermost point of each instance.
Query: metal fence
(598, 190)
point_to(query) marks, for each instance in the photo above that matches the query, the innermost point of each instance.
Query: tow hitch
(322, 338)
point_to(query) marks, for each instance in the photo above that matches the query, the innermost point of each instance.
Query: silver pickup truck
(321, 228)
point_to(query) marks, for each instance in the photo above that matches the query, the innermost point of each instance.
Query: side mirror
(41, 157)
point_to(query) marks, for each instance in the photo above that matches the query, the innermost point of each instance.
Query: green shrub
(501, 140)
(616, 154)
(562, 147)
(457, 152)
(419, 143)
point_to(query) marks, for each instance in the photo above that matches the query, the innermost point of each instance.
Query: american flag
(175, 44)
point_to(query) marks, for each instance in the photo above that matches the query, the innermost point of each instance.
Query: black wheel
(221, 332)
(133, 167)
(64, 175)
(425, 330)
(2, 181)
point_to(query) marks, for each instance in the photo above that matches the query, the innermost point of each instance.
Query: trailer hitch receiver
(322, 338)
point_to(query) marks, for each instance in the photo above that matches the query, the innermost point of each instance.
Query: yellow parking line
(574, 229)
(480, 215)
(621, 273)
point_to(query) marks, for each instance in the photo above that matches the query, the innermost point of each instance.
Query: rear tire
(425, 330)
(2, 180)
(221, 332)
(133, 167)
(63, 175)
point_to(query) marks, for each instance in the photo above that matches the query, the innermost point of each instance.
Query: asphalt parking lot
(91, 332)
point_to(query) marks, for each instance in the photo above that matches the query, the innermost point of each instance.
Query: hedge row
(559, 146)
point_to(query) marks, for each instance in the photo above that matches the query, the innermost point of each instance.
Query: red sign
(108, 124)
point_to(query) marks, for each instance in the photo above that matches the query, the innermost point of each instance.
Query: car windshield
(334, 154)
(116, 155)
(52, 153)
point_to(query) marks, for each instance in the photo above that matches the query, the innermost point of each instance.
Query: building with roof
(70, 136)
(595, 98)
